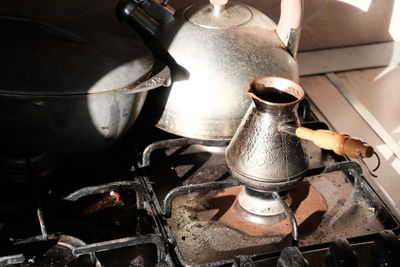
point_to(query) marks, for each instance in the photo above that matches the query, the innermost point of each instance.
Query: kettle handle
(289, 25)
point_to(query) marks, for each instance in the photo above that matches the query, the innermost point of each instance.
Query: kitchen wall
(335, 23)
(327, 23)
(70, 15)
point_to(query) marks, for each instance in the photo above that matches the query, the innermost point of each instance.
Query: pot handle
(289, 25)
(163, 78)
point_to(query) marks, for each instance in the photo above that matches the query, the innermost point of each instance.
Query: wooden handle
(289, 25)
(341, 144)
(219, 2)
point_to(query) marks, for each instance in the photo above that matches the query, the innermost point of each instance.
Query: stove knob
(340, 254)
(292, 257)
(386, 250)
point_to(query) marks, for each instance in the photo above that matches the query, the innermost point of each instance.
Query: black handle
(386, 249)
(340, 254)
(145, 16)
(292, 257)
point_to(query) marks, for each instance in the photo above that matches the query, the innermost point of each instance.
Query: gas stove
(157, 199)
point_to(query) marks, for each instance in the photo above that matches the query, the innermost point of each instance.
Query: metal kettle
(214, 50)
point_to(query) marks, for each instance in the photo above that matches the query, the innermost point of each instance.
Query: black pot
(69, 91)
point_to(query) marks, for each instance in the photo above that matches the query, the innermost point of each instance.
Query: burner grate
(12, 259)
(345, 176)
(63, 249)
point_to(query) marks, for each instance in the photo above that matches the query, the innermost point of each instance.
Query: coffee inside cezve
(271, 94)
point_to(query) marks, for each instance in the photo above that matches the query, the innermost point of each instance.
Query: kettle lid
(206, 15)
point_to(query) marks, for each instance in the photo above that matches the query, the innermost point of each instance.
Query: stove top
(196, 195)
(156, 199)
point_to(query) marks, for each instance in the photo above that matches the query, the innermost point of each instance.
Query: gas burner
(259, 214)
(260, 203)
(54, 251)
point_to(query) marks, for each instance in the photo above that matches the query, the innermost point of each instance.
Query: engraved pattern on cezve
(261, 151)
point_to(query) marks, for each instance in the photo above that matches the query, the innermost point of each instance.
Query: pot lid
(42, 59)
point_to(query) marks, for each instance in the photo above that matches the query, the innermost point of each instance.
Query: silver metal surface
(12, 259)
(376, 126)
(289, 214)
(293, 41)
(206, 15)
(124, 242)
(213, 64)
(42, 223)
(266, 205)
(163, 78)
(260, 155)
(217, 9)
